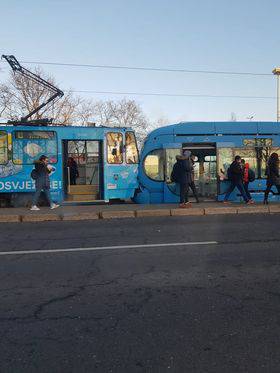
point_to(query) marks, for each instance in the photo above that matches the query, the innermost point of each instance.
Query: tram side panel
(18, 151)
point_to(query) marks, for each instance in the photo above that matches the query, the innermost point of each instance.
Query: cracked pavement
(168, 309)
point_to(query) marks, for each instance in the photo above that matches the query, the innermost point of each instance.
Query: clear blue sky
(240, 35)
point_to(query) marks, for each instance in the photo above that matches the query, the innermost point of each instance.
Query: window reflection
(154, 165)
(3, 147)
(131, 151)
(114, 148)
(28, 146)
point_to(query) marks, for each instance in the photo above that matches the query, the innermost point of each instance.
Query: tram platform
(130, 210)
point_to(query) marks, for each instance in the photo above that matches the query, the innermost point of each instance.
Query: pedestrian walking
(73, 170)
(192, 184)
(248, 177)
(181, 174)
(42, 182)
(235, 175)
(272, 173)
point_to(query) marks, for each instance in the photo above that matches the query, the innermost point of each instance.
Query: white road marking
(80, 249)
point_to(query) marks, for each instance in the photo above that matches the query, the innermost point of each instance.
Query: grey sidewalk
(129, 210)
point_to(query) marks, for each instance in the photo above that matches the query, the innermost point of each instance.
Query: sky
(216, 35)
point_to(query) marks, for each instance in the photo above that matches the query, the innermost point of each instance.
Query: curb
(40, 217)
(81, 216)
(106, 215)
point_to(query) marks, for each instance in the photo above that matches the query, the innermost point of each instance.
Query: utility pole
(276, 72)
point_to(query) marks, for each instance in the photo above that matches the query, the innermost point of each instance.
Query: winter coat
(182, 170)
(272, 172)
(236, 173)
(43, 180)
(246, 173)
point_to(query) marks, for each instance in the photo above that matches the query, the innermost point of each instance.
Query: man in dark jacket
(42, 183)
(182, 173)
(236, 180)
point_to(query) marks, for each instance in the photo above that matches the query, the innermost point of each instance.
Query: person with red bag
(248, 177)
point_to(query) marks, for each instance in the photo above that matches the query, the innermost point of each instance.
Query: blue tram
(214, 145)
(106, 158)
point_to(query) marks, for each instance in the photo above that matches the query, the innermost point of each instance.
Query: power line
(173, 94)
(143, 68)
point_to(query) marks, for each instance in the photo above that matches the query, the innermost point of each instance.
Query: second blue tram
(106, 158)
(214, 145)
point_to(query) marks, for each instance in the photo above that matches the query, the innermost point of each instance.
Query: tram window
(131, 151)
(28, 146)
(154, 165)
(210, 158)
(3, 147)
(92, 151)
(225, 158)
(114, 147)
(258, 142)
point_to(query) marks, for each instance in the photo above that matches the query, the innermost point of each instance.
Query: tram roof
(216, 128)
(61, 127)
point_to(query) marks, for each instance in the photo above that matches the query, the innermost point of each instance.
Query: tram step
(83, 197)
(83, 189)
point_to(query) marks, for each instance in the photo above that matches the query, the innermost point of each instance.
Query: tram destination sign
(258, 143)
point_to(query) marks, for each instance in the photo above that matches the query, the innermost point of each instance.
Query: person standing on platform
(181, 174)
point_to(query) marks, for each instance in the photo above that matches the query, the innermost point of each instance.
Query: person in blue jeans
(236, 180)
(42, 183)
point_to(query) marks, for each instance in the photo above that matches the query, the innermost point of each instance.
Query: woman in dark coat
(273, 177)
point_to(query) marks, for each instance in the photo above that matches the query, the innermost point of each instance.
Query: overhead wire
(172, 94)
(147, 68)
(157, 69)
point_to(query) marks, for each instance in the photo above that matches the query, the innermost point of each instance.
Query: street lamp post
(276, 72)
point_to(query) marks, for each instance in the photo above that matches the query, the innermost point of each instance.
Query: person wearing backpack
(235, 176)
(273, 177)
(42, 182)
(248, 177)
(181, 174)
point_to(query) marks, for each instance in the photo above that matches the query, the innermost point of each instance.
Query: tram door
(83, 170)
(205, 168)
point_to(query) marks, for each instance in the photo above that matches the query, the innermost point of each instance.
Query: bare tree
(20, 95)
(122, 113)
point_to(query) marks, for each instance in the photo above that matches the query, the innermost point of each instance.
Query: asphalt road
(205, 299)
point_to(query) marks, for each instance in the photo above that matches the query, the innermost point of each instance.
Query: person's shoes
(226, 202)
(182, 206)
(54, 206)
(34, 208)
(250, 202)
(188, 204)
